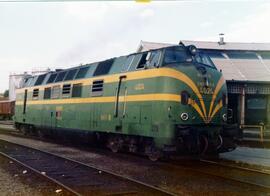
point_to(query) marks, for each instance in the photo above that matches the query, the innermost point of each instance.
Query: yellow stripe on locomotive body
(220, 83)
(129, 98)
(199, 107)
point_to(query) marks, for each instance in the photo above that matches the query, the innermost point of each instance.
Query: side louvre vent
(97, 88)
(66, 90)
(35, 93)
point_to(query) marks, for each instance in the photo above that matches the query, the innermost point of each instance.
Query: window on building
(241, 55)
(256, 103)
(70, 75)
(52, 78)
(60, 77)
(97, 88)
(214, 54)
(47, 93)
(265, 55)
(103, 67)
(35, 93)
(55, 92)
(77, 90)
(40, 79)
(82, 72)
(66, 90)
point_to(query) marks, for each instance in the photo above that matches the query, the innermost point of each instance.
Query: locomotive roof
(106, 67)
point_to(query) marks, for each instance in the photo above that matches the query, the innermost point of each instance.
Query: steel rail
(123, 177)
(264, 187)
(6, 123)
(235, 167)
(260, 186)
(254, 156)
(40, 174)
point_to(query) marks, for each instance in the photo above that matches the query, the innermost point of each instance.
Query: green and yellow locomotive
(169, 100)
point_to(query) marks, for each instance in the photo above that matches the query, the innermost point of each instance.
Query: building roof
(238, 61)
(144, 45)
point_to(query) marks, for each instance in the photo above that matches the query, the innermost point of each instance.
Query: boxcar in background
(6, 109)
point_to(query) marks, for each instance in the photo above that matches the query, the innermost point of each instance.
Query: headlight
(184, 116)
(224, 117)
(192, 49)
(185, 97)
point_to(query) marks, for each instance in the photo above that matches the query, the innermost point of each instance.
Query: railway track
(4, 122)
(67, 190)
(246, 169)
(254, 178)
(235, 175)
(74, 176)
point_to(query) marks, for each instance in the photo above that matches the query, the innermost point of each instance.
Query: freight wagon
(6, 109)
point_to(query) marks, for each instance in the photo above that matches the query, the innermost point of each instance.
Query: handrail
(261, 127)
(117, 94)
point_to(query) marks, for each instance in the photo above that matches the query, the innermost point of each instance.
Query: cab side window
(143, 61)
(154, 58)
(128, 63)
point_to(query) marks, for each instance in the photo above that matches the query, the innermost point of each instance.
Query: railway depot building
(246, 68)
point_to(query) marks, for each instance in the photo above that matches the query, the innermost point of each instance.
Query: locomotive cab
(201, 116)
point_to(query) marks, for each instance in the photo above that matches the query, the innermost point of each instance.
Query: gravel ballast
(182, 182)
(17, 180)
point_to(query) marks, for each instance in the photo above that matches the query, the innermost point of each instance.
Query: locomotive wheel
(132, 147)
(153, 153)
(40, 134)
(114, 144)
(114, 148)
(24, 130)
(203, 144)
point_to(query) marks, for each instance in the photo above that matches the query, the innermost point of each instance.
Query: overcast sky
(64, 34)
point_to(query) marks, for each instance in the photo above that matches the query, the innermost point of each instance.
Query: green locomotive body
(167, 100)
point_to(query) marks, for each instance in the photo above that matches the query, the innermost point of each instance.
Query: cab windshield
(176, 55)
(204, 59)
(180, 55)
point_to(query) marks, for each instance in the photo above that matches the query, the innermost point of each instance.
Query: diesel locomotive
(171, 100)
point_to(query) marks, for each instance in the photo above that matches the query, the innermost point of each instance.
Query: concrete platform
(251, 156)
